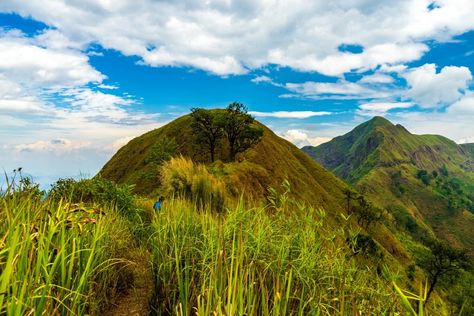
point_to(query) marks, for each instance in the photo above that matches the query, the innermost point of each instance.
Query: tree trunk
(212, 149)
(432, 286)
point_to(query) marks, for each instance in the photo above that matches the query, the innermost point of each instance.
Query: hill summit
(267, 164)
(428, 177)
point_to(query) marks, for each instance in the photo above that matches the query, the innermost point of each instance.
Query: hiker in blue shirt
(157, 205)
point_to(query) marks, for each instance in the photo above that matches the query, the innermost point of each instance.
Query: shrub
(424, 176)
(96, 190)
(182, 177)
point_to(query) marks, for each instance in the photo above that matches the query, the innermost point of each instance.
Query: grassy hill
(469, 149)
(429, 177)
(267, 164)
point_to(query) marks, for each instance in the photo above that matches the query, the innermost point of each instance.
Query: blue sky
(78, 79)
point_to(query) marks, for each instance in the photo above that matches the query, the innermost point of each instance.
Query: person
(158, 203)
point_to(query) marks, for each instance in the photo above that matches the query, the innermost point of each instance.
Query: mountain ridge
(428, 176)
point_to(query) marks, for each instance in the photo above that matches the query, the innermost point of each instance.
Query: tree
(443, 262)
(350, 196)
(207, 128)
(237, 126)
(367, 214)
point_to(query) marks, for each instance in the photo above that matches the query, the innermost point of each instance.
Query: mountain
(268, 163)
(469, 148)
(428, 177)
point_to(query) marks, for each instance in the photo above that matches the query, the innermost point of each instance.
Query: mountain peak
(380, 121)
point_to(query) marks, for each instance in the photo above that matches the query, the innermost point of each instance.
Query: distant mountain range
(427, 177)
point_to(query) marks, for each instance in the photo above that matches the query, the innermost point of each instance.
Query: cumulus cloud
(301, 138)
(290, 114)
(23, 61)
(377, 78)
(230, 37)
(464, 106)
(380, 108)
(341, 89)
(432, 89)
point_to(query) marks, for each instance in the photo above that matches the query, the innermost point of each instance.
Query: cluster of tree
(398, 183)
(233, 124)
(443, 263)
(367, 214)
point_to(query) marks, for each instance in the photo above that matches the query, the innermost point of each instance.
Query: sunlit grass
(257, 261)
(56, 257)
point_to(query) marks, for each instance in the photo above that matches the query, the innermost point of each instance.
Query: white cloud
(464, 106)
(229, 37)
(24, 62)
(341, 89)
(260, 79)
(290, 114)
(380, 108)
(301, 138)
(377, 78)
(431, 89)
(54, 145)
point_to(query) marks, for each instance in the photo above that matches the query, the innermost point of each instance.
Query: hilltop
(267, 164)
(428, 177)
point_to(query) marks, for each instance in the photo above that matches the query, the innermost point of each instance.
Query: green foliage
(255, 262)
(96, 190)
(367, 214)
(397, 183)
(424, 176)
(279, 200)
(237, 126)
(181, 177)
(207, 128)
(58, 258)
(443, 170)
(362, 244)
(443, 262)
(404, 220)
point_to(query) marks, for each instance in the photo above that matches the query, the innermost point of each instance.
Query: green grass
(57, 257)
(268, 163)
(262, 261)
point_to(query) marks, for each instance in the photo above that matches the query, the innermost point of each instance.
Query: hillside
(428, 176)
(269, 163)
(469, 149)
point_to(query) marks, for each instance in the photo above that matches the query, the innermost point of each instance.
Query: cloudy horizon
(79, 79)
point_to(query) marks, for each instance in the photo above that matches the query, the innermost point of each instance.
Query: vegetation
(255, 171)
(263, 261)
(234, 123)
(247, 236)
(424, 181)
(237, 126)
(181, 177)
(443, 262)
(207, 128)
(59, 257)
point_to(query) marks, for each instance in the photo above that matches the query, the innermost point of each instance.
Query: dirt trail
(136, 300)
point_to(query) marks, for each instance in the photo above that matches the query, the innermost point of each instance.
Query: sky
(80, 78)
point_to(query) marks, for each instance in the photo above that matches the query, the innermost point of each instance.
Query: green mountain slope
(428, 176)
(469, 149)
(269, 163)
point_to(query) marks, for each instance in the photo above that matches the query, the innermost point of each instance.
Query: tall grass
(259, 261)
(57, 258)
(182, 177)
